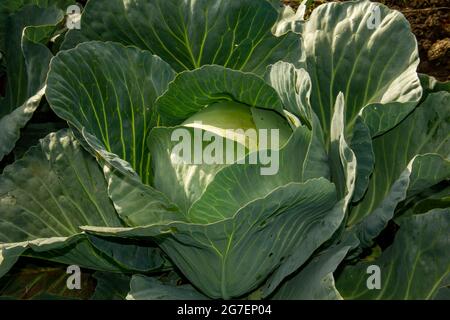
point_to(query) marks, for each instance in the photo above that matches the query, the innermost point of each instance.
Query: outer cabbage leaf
(343, 170)
(46, 196)
(290, 19)
(431, 84)
(191, 33)
(28, 58)
(146, 288)
(129, 255)
(36, 197)
(43, 282)
(110, 90)
(111, 286)
(315, 281)
(10, 7)
(343, 163)
(293, 219)
(415, 266)
(361, 144)
(409, 159)
(11, 123)
(375, 68)
(435, 197)
(135, 202)
(294, 88)
(34, 132)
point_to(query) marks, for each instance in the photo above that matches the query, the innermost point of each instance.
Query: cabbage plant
(348, 181)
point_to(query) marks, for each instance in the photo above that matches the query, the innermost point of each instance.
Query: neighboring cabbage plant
(335, 140)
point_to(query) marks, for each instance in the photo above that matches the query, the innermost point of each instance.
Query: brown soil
(430, 22)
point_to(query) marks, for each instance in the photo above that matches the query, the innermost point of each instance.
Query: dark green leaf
(416, 266)
(110, 90)
(192, 33)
